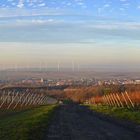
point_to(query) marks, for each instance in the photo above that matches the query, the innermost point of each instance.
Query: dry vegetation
(94, 94)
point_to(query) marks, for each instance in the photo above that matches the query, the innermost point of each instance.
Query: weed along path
(75, 122)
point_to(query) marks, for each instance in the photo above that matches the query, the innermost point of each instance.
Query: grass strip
(27, 125)
(121, 113)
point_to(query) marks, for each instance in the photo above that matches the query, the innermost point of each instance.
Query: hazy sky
(88, 32)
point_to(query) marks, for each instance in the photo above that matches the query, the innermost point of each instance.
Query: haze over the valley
(102, 35)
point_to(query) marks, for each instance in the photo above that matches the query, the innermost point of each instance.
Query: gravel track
(75, 122)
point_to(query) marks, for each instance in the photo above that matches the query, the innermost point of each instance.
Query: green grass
(122, 113)
(26, 125)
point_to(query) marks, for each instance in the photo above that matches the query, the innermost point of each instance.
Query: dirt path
(75, 122)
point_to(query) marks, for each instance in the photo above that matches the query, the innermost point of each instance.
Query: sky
(84, 32)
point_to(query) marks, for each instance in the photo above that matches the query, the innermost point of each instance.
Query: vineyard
(13, 99)
(30, 97)
(123, 99)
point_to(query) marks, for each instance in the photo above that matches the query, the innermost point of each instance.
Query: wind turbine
(58, 67)
(78, 67)
(46, 67)
(73, 66)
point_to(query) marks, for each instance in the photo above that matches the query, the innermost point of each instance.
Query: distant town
(68, 82)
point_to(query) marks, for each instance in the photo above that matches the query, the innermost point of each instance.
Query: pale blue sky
(103, 32)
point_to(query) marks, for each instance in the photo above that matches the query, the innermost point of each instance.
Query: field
(122, 100)
(124, 105)
(25, 124)
(121, 113)
(19, 99)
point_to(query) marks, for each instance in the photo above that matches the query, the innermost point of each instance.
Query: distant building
(42, 80)
(33, 81)
(137, 81)
(100, 83)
